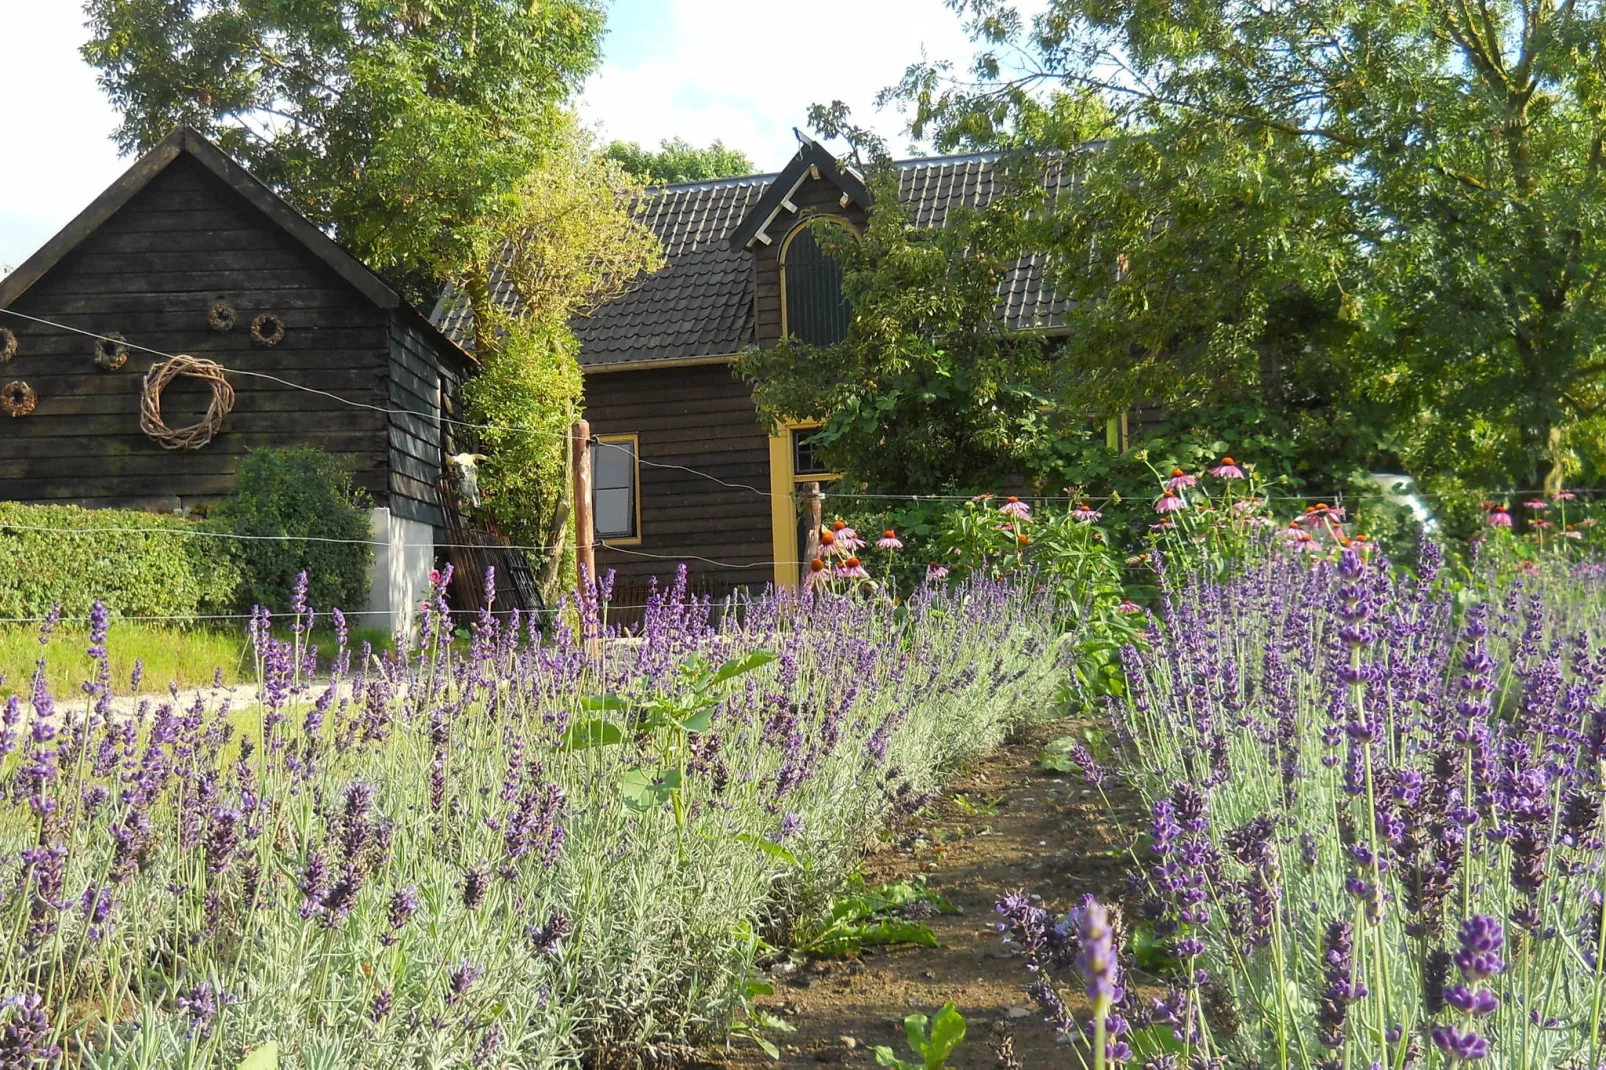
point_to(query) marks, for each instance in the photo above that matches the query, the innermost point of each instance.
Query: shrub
(459, 862)
(138, 564)
(283, 496)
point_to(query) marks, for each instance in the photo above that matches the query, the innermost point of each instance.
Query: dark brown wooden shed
(183, 254)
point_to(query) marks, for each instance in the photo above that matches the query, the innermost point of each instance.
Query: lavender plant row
(504, 857)
(1376, 816)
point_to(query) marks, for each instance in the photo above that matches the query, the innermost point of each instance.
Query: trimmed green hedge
(155, 571)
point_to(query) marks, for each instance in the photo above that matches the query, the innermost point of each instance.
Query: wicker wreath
(267, 329)
(222, 316)
(18, 398)
(8, 345)
(194, 436)
(111, 352)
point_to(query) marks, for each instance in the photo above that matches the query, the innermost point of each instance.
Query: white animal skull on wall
(465, 473)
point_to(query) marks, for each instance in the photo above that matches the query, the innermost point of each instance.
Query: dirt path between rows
(1037, 832)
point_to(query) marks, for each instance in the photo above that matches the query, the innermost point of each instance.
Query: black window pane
(816, 310)
(805, 459)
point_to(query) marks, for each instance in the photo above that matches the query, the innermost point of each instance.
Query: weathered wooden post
(813, 511)
(584, 522)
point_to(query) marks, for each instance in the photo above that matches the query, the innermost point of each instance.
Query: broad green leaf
(265, 1057)
(766, 1020)
(774, 850)
(914, 1031)
(744, 664)
(645, 790)
(1058, 763)
(755, 987)
(947, 1033)
(583, 735)
(699, 721)
(1153, 1040)
(609, 703)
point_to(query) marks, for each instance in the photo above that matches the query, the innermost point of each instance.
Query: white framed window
(616, 488)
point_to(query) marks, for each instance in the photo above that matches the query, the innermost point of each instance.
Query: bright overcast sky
(744, 71)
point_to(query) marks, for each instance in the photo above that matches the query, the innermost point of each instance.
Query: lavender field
(528, 852)
(1376, 834)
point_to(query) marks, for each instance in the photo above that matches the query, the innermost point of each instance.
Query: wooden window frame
(634, 438)
(784, 484)
(786, 244)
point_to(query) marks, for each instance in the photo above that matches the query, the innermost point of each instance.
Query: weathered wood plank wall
(152, 272)
(702, 418)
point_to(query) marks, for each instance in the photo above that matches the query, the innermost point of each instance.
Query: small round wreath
(8, 345)
(267, 329)
(194, 436)
(111, 352)
(222, 316)
(18, 398)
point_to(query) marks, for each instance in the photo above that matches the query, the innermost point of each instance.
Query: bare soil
(1023, 830)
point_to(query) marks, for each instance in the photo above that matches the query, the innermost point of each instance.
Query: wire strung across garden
(1335, 496)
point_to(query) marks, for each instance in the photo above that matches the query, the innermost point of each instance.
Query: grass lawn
(188, 656)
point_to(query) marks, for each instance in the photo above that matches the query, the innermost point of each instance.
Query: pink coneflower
(1541, 524)
(1169, 503)
(1573, 533)
(1128, 608)
(1227, 469)
(935, 572)
(1164, 525)
(1588, 522)
(1499, 518)
(849, 540)
(1536, 503)
(851, 569)
(829, 544)
(1086, 514)
(1016, 508)
(1247, 505)
(1565, 496)
(1180, 479)
(888, 541)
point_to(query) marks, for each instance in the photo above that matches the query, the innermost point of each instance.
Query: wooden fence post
(584, 522)
(813, 510)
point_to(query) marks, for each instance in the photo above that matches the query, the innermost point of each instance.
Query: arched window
(813, 309)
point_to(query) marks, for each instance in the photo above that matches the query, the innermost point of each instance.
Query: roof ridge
(711, 183)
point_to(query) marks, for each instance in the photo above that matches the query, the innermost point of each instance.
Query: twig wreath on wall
(111, 352)
(222, 316)
(18, 398)
(267, 329)
(8, 345)
(196, 435)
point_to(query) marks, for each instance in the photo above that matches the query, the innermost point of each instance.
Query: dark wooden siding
(416, 385)
(151, 272)
(702, 418)
(814, 197)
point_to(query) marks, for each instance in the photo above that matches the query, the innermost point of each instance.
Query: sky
(743, 71)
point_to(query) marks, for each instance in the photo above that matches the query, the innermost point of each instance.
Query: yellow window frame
(635, 455)
(785, 494)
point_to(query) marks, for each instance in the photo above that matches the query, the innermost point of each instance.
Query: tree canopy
(396, 124)
(677, 160)
(1383, 213)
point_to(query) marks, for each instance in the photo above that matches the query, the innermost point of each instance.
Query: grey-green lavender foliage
(422, 860)
(1377, 821)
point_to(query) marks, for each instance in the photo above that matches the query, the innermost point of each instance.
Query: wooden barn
(685, 470)
(187, 253)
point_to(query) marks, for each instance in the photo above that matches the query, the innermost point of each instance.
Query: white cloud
(55, 152)
(745, 72)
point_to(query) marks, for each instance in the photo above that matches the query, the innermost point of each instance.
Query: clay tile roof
(700, 303)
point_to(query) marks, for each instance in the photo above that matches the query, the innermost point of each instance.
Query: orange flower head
(1228, 460)
(1177, 472)
(889, 534)
(816, 565)
(827, 538)
(852, 562)
(1024, 540)
(1013, 499)
(1361, 538)
(838, 525)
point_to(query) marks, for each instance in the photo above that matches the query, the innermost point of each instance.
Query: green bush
(283, 495)
(139, 564)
